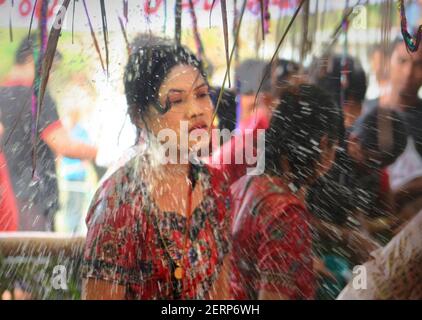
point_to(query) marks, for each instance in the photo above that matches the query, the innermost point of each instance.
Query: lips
(200, 125)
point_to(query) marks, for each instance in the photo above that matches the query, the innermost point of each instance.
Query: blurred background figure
(249, 74)
(275, 78)
(379, 58)
(348, 92)
(37, 199)
(8, 211)
(282, 74)
(77, 177)
(405, 81)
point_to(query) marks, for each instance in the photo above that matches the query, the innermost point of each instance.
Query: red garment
(237, 149)
(8, 210)
(126, 231)
(259, 119)
(272, 241)
(123, 243)
(384, 182)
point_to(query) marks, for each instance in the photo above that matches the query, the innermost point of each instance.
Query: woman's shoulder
(120, 196)
(266, 192)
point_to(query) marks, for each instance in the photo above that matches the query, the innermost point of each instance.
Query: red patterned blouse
(126, 229)
(126, 235)
(272, 242)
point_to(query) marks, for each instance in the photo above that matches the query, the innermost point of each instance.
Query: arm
(408, 190)
(111, 246)
(93, 289)
(59, 140)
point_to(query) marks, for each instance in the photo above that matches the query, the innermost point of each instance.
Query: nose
(195, 109)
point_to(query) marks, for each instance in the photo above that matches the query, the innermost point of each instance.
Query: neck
(20, 74)
(401, 101)
(175, 170)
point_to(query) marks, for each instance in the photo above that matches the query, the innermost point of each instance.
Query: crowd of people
(342, 179)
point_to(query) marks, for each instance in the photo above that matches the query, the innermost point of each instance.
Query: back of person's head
(303, 117)
(382, 136)
(278, 75)
(26, 50)
(353, 82)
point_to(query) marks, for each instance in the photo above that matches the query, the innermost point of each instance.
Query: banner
(141, 13)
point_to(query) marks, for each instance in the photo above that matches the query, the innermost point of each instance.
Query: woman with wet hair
(272, 242)
(157, 230)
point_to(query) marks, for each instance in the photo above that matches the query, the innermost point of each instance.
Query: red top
(272, 242)
(124, 244)
(8, 210)
(126, 231)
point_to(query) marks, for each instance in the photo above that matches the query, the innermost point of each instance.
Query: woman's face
(191, 108)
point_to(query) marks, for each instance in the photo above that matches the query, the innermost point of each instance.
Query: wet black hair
(145, 72)
(279, 73)
(383, 133)
(356, 81)
(304, 115)
(143, 40)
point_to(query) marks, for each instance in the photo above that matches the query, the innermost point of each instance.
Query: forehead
(182, 77)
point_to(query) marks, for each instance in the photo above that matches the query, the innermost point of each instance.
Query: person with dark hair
(280, 75)
(375, 142)
(405, 81)
(158, 229)
(379, 57)
(272, 242)
(354, 202)
(249, 74)
(346, 81)
(37, 199)
(275, 77)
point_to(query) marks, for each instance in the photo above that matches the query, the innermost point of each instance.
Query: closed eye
(203, 91)
(203, 95)
(175, 99)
